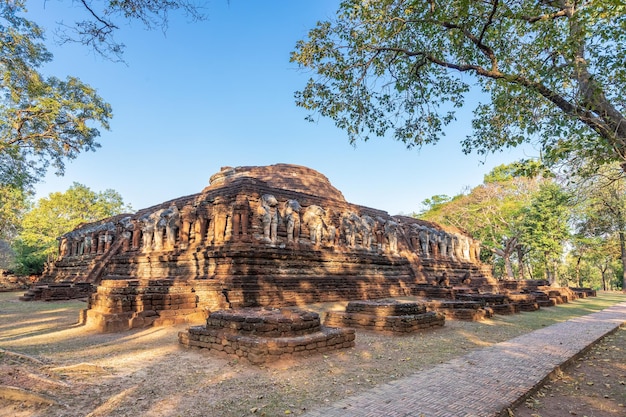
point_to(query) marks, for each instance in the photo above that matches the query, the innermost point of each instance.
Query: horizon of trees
(533, 225)
(35, 242)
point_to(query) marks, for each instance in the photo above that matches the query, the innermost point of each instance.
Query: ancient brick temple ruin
(277, 236)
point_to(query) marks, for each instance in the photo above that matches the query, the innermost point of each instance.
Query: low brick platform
(59, 291)
(526, 302)
(127, 304)
(461, 310)
(485, 382)
(385, 316)
(583, 292)
(261, 335)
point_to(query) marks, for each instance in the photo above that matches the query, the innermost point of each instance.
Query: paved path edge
(486, 382)
(505, 412)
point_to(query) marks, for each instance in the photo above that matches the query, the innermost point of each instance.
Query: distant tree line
(34, 241)
(535, 226)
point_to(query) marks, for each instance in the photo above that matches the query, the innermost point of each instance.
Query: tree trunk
(521, 273)
(505, 254)
(579, 280)
(555, 272)
(603, 269)
(549, 271)
(508, 267)
(622, 244)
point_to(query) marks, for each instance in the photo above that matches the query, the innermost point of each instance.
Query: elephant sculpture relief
(171, 218)
(268, 212)
(391, 235)
(349, 227)
(292, 220)
(152, 227)
(367, 227)
(313, 219)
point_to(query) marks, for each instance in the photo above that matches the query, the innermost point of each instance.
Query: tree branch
(98, 18)
(543, 17)
(489, 20)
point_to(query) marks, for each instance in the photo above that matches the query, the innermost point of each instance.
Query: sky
(220, 92)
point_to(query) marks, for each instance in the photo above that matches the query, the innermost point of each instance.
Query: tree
(545, 226)
(434, 203)
(552, 71)
(602, 202)
(101, 20)
(493, 212)
(13, 204)
(43, 121)
(603, 257)
(7, 257)
(60, 213)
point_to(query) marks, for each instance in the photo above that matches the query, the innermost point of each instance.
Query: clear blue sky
(220, 93)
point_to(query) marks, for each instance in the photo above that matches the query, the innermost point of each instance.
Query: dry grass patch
(145, 372)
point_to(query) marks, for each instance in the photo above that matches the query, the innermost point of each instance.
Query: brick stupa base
(386, 316)
(261, 335)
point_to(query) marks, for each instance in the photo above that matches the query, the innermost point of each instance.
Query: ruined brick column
(220, 230)
(240, 212)
(94, 243)
(203, 214)
(136, 234)
(188, 216)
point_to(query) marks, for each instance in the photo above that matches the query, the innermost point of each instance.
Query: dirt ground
(50, 366)
(593, 385)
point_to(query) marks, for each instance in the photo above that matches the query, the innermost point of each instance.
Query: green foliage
(501, 211)
(433, 204)
(552, 72)
(594, 262)
(13, 204)
(545, 225)
(529, 168)
(30, 258)
(601, 214)
(58, 214)
(489, 212)
(7, 257)
(43, 121)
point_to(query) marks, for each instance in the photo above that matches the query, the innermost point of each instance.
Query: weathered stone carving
(240, 219)
(391, 233)
(292, 220)
(188, 216)
(368, 225)
(147, 230)
(258, 236)
(313, 218)
(172, 224)
(160, 223)
(268, 211)
(424, 237)
(349, 223)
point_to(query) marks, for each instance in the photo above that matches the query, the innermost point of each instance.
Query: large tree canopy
(554, 72)
(43, 121)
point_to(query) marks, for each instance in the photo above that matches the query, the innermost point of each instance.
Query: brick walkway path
(484, 382)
